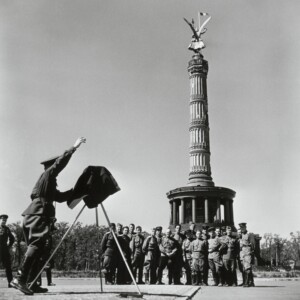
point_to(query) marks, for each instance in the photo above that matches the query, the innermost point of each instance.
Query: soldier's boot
(234, 278)
(243, 276)
(146, 278)
(19, 282)
(49, 277)
(219, 275)
(251, 279)
(200, 278)
(134, 271)
(140, 277)
(171, 278)
(246, 282)
(159, 276)
(35, 269)
(188, 278)
(195, 279)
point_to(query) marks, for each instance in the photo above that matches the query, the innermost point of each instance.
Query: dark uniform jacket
(136, 245)
(5, 236)
(124, 241)
(199, 249)
(108, 245)
(168, 246)
(231, 248)
(150, 244)
(45, 191)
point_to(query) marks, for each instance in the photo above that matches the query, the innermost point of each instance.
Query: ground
(87, 289)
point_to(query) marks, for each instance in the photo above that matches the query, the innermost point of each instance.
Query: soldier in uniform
(38, 218)
(187, 256)
(239, 262)
(247, 247)
(119, 229)
(192, 227)
(151, 251)
(168, 250)
(6, 241)
(205, 236)
(214, 259)
(178, 260)
(199, 248)
(229, 257)
(123, 276)
(110, 255)
(138, 256)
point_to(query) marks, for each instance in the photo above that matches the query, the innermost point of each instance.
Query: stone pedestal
(202, 205)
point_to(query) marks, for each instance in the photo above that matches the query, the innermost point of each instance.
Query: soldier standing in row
(110, 255)
(205, 236)
(214, 259)
(151, 251)
(168, 250)
(229, 257)
(123, 276)
(239, 262)
(6, 241)
(247, 247)
(178, 260)
(187, 256)
(199, 248)
(138, 256)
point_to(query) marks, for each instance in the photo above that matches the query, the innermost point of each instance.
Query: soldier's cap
(243, 225)
(119, 224)
(49, 161)
(228, 227)
(3, 216)
(112, 225)
(211, 229)
(205, 227)
(158, 228)
(154, 228)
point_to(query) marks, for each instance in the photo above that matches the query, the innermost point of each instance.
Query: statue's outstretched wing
(193, 29)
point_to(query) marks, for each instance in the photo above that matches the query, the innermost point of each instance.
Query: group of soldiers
(194, 251)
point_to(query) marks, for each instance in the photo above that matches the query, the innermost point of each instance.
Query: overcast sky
(115, 72)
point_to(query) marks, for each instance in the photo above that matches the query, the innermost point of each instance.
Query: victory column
(200, 201)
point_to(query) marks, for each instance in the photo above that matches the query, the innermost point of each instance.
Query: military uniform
(199, 250)
(205, 236)
(178, 258)
(110, 257)
(229, 259)
(168, 250)
(40, 213)
(151, 251)
(247, 246)
(138, 256)
(6, 241)
(187, 258)
(123, 275)
(214, 259)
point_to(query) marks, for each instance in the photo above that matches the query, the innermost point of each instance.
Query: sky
(115, 72)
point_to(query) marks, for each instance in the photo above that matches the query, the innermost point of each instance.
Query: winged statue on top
(197, 43)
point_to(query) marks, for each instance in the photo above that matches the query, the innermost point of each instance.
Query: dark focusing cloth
(93, 186)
